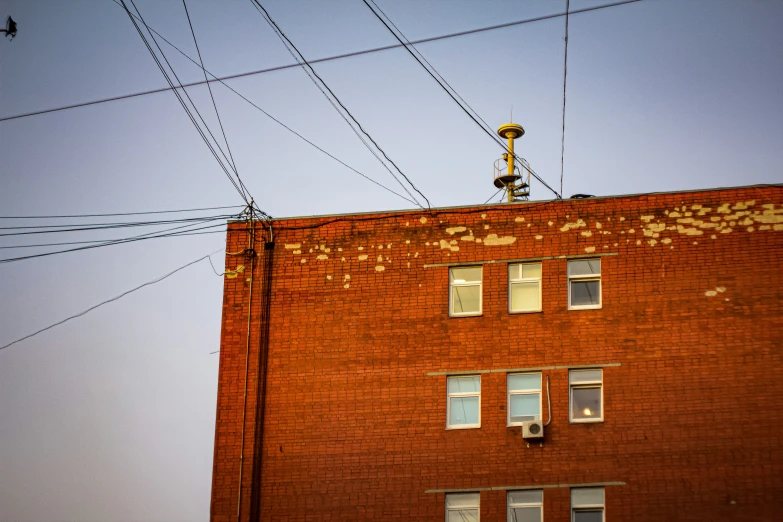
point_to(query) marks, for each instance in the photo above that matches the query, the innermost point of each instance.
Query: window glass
(525, 497)
(524, 381)
(525, 296)
(525, 506)
(578, 376)
(588, 515)
(465, 299)
(464, 384)
(526, 514)
(471, 274)
(530, 270)
(462, 507)
(584, 267)
(587, 497)
(525, 407)
(585, 293)
(464, 410)
(586, 403)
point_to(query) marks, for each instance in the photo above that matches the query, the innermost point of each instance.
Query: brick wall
(354, 427)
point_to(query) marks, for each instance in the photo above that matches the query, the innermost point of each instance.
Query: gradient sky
(110, 417)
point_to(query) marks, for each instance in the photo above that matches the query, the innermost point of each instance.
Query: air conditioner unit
(532, 430)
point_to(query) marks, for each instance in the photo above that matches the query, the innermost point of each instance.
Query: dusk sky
(110, 417)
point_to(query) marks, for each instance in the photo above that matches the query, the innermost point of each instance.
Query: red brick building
(392, 358)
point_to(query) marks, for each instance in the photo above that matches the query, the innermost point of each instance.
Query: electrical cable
(319, 60)
(268, 115)
(148, 283)
(103, 226)
(565, 76)
(471, 113)
(149, 235)
(311, 73)
(123, 213)
(179, 96)
(209, 87)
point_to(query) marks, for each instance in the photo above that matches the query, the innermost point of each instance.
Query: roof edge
(520, 203)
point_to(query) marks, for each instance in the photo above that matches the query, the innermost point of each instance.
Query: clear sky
(110, 417)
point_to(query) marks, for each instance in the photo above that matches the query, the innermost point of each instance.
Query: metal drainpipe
(251, 243)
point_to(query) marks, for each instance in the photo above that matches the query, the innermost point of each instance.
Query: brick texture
(354, 427)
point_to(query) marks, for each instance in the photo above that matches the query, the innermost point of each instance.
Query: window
(524, 397)
(462, 507)
(465, 291)
(525, 506)
(524, 290)
(587, 505)
(464, 402)
(584, 284)
(587, 392)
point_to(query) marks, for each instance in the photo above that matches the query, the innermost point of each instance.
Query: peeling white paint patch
(494, 240)
(486, 227)
(380, 259)
(407, 223)
(380, 247)
(726, 231)
(416, 254)
(291, 246)
(303, 261)
(380, 268)
(653, 242)
(478, 240)
(589, 250)
(539, 237)
(297, 252)
(720, 289)
(777, 227)
(622, 218)
(347, 277)
(550, 223)
(361, 248)
(328, 277)
(363, 257)
(347, 285)
(598, 225)
(342, 259)
(423, 220)
(666, 241)
(448, 245)
(519, 219)
(339, 249)
(407, 241)
(453, 230)
(576, 224)
(638, 241)
(467, 238)
(322, 257)
(311, 250)
(631, 231)
(483, 216)
(710, 293)
(647, 219)
(587, 233)
(713, 236)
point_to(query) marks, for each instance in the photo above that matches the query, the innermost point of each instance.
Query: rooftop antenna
(10, 28)
(507, 173)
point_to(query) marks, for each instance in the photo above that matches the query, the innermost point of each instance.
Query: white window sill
(464, 427)
(585, 421)
(471, 314)
(586, 307)
(515, 312)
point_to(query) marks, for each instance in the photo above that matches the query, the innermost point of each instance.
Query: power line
(123, 213)
(141, 237)
(179, 96)
(148, 283)
(206, 79)
(104, 226)
(268, 115)
(313, 76)
(319, 60)
(472, 114)
(565, 76)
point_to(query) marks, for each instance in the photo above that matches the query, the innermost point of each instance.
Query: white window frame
(585, 277)
(509, 505)
(479, 283)
(449, 395)
(588, 507)
(510, 393)
(477, 507)
(585, 385)
(525, 280)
